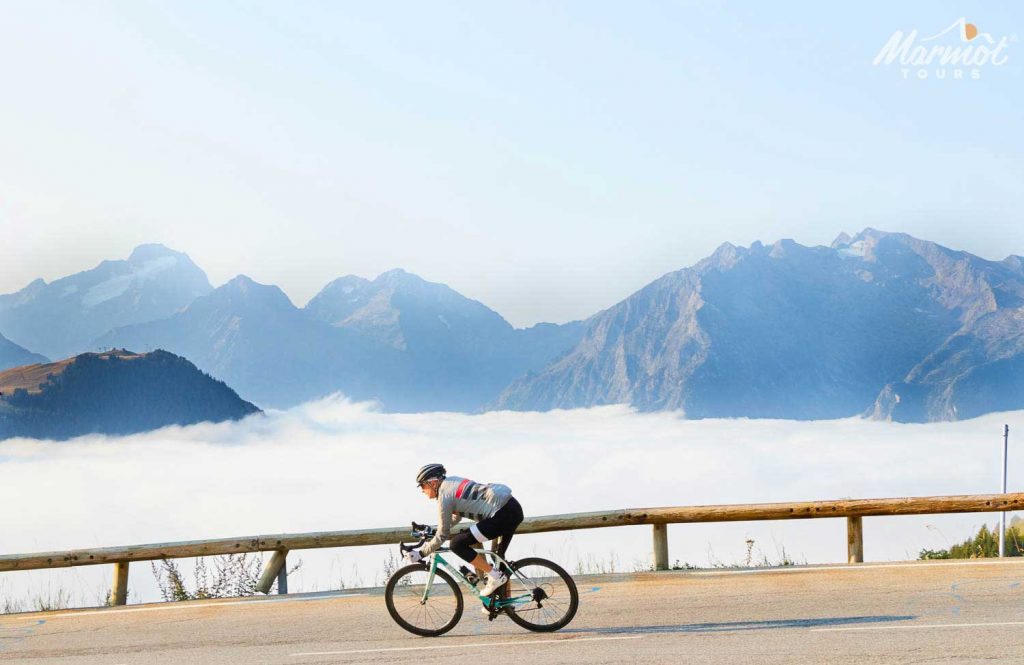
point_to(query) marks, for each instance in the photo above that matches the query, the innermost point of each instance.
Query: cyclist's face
(429, 488)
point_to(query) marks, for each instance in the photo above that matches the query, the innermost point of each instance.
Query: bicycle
(424, 599)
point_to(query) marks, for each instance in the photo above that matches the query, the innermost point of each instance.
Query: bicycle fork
(430, 580)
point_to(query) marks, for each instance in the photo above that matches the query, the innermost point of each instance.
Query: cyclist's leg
(513, 518)
(501, 543)
(462, 544)
(501, 524)
(511, 522)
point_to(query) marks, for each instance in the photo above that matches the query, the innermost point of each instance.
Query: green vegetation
(984, 544)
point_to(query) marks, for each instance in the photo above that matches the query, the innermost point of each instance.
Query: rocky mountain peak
(783, 248)
(242, 290)
(1014, 263)
(398, 279)
(347, 284)
(726, 256)
(150, 252)
(61, 318)
(842, 240)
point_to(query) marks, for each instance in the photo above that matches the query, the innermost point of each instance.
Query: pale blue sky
(547, 159)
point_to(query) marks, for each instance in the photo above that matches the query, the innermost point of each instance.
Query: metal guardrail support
(660, 547)
(855, 539)
(277, 568)
(282, 577)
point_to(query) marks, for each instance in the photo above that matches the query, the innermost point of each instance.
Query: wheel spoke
(557, 607)
(437, 614)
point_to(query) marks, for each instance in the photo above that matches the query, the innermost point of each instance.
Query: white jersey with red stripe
(459, 498)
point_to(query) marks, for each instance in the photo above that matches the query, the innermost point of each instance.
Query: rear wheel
(435, 615)
(545, 595)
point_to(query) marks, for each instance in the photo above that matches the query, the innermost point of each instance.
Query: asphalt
(922, 612)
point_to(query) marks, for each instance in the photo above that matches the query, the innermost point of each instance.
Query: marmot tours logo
(959, 52)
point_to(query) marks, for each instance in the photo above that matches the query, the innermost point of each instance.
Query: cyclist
(496, 511)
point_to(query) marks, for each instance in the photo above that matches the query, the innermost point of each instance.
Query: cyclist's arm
(444, 525)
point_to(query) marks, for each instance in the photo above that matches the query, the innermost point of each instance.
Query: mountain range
(409, 344)
(12, 355)
(453, 352)
(878, 324)
(62, 318)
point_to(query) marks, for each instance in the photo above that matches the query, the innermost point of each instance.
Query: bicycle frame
(436, 559)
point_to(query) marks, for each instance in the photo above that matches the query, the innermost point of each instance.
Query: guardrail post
(1002, 516)
(855, 539)
(661, 547)
(282, 576)
(119, 592)
(276, 567)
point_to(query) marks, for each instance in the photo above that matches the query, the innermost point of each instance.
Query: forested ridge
(117, 393)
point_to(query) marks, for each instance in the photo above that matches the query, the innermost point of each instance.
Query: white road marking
(857, 566)
(920, 625)
(566, 640)
(193, 605)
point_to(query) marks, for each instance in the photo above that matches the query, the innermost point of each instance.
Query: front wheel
(427, 613)
(544, 597)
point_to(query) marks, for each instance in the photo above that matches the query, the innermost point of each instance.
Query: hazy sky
(547, 159)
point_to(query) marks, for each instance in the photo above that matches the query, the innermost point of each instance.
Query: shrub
(232, 575)
(984, 544)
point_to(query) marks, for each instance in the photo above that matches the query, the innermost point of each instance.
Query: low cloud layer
(334, 465)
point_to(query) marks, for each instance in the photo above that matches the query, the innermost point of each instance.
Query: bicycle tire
(527, 615)
(407, 624)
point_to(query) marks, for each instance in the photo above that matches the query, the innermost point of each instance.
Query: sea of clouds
(334, 465)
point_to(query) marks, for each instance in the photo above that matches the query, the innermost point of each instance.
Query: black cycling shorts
(501, 524)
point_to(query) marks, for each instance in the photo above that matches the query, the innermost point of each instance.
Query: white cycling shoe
(495, 579)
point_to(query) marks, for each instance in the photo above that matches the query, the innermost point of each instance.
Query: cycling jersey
(459, 498)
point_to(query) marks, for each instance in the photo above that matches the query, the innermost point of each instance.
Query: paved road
(928, 612)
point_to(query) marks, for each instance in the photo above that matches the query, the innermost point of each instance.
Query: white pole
(1002, 516)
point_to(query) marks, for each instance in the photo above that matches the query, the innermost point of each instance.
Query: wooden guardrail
(852, 509)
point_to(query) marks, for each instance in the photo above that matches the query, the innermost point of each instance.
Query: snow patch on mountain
(855, 250)
(116, 286)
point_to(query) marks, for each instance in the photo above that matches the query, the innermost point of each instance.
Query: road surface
(922, 612)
